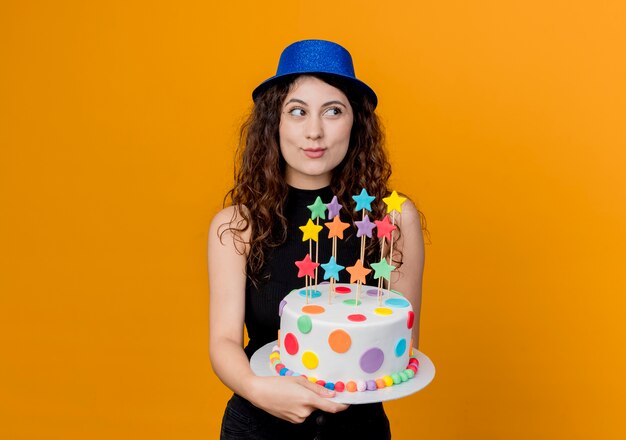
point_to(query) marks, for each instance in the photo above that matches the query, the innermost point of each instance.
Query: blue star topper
(332, 269)
(363, 201)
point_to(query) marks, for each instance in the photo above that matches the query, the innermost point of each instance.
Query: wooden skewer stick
(381, 279)
(393, 222)
(310, 253)
(317, 245)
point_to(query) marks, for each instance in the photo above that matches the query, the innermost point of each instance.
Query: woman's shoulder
(410, 215)
(232, 221)
(229, 214)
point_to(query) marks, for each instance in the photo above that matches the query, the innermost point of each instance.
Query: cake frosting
(345, 344)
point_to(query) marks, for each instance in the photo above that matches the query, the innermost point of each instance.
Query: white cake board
(260, 364)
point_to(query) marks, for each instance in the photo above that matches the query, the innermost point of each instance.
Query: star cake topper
(382, 268)
(332, 269)
(394, 202)
(363, 201)
(384, 228)
(317, 209)
(364, 227)
(306, 267)
(358, 272)
(310, 231)
(336, 228)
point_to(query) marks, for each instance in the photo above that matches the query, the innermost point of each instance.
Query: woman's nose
(314, 129)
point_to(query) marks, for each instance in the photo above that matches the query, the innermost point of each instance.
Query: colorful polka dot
(361, 385)
(305, 324)
(372, 360)
(281, 306)
(397, 302)
(372, 292)
(357, 317)
(352, 302)
(410, 319)
(342, 290)
(339, 341)
(312, 293)
(401, 347)
(313, 309)
(310, 360)
(384, 311)
(291, 343)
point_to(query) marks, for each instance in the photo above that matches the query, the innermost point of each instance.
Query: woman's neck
(303, 181)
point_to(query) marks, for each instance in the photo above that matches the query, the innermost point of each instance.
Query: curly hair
(260, 189)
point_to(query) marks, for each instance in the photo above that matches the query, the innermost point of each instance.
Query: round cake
(362, 345)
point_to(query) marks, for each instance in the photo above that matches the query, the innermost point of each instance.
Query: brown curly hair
(260, 189)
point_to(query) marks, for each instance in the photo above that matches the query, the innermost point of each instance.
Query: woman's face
(314, 132)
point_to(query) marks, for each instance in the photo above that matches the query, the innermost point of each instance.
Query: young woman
(312, 132)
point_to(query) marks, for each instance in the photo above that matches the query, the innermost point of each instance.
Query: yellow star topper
(310, 231)
(394, 202)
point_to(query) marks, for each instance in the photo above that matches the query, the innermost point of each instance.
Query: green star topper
(382, 268)
(318, 209)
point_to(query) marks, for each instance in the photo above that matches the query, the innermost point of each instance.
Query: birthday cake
(350, 337)
(356, 346)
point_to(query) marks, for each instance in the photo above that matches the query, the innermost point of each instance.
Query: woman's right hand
(292, 398)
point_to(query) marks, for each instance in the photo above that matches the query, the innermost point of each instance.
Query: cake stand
(261, 366)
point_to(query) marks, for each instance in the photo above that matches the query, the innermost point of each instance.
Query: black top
(262, 320)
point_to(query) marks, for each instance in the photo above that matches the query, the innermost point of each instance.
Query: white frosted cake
(344, 345)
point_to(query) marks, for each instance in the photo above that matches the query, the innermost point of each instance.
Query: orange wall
(117, 125)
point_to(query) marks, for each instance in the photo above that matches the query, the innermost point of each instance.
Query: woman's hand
(292, 398)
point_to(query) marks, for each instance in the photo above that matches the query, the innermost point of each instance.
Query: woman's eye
(296, 112)
(333, 111)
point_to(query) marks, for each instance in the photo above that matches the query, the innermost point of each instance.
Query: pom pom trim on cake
(352, 385)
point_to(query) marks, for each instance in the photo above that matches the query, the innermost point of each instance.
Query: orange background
(505, 123)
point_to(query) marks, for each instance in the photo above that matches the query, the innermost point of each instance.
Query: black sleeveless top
(261, 314)
(244, 420)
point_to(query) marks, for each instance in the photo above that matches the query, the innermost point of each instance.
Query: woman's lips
(314, 153)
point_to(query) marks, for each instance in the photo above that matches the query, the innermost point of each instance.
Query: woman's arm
(290, 398)
(408, 278)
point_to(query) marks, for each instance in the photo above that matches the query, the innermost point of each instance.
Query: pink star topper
(384, 228)
(306, 267)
